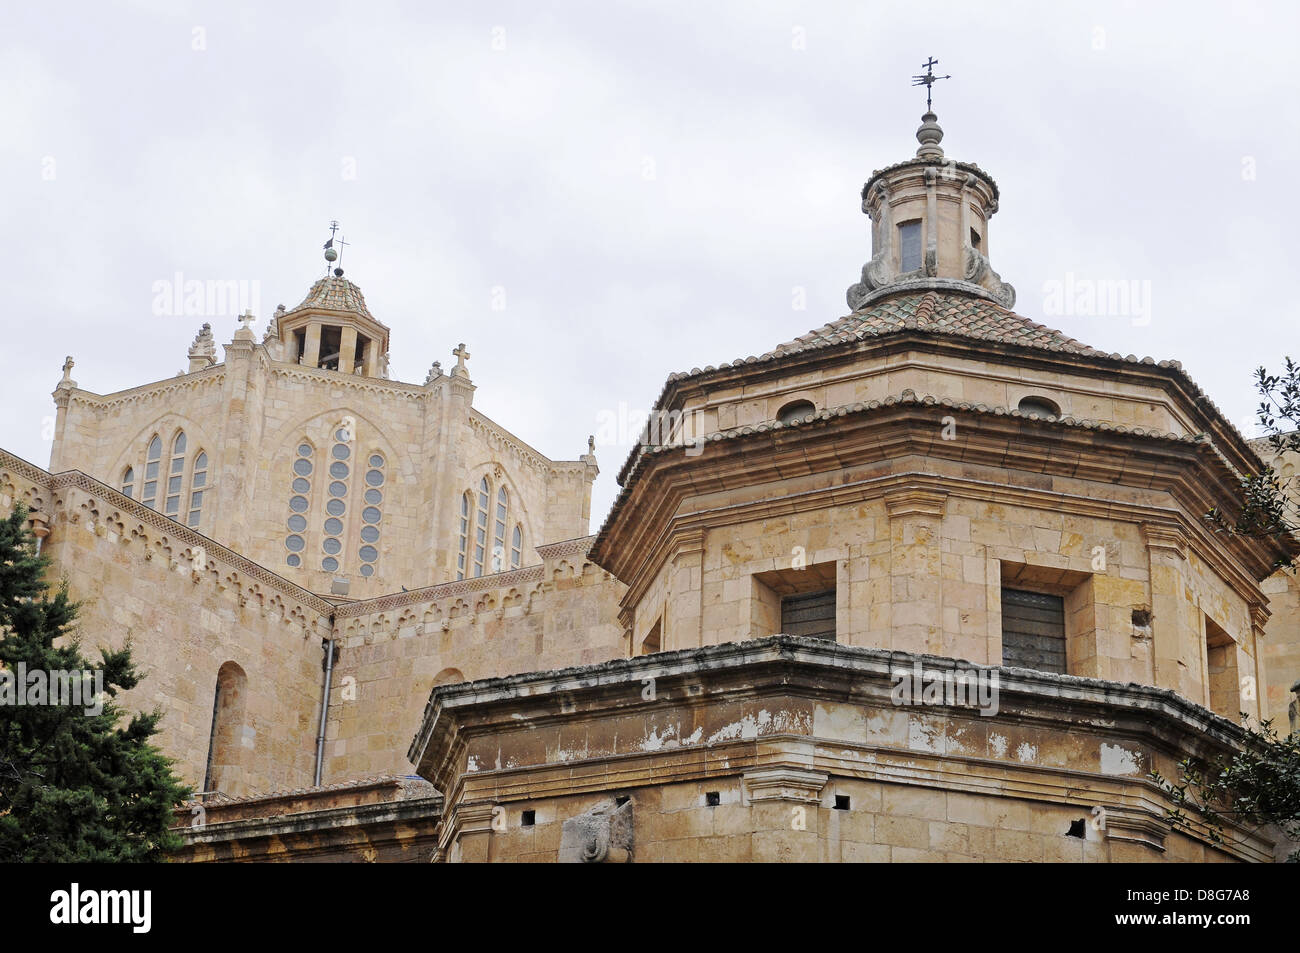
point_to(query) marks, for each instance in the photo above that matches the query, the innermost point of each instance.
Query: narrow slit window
(128, 482)
(516, 547)
(463, 552)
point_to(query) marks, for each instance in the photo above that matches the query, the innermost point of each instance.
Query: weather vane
(928, 79)
(332, 255)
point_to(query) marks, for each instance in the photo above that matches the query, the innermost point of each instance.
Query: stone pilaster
(915, 520)
(1174, 636)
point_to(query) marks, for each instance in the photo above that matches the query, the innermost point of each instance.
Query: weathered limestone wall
(919, 561)
(188, 607)
(394, 650)
(810, 755)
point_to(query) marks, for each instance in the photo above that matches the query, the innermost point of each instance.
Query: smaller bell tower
(331, 329)
(929, 221)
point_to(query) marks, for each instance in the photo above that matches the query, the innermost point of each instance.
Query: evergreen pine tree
(74, 786)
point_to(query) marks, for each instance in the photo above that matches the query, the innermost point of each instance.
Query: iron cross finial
(928, 79)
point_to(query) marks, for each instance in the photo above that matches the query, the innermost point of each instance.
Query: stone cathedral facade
(929, 582)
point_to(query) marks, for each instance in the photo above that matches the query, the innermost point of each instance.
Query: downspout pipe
(328, 645)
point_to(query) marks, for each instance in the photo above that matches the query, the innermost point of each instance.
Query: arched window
(499, 531)
(175, 475)
(516, 547)
(153, 459)
(371, 514)
(304, 468)
(796, 410)
(128, 482)
(226, 738)
(480, 529)
(198, 480)
(464, 536)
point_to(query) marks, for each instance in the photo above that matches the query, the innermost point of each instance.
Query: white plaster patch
(471, 763)
(1027, 753)
(1117, 760)
(998, 745)
(655, 742)
(923, 736)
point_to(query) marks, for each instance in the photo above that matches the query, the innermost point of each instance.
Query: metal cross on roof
(928, 79)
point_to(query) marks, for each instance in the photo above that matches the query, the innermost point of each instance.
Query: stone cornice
(514, 578)
(499, 438)
(914, 501)
(790, 362)
(528, 575)
(784, 675)
(311, 822)
(215, 374)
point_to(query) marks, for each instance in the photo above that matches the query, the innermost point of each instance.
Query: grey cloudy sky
(643, 185)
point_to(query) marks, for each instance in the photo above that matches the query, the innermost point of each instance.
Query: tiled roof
(939, 312)
(335, 294)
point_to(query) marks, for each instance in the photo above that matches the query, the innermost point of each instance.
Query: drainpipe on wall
(325, 702)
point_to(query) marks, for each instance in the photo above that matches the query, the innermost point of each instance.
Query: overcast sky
(594, 195)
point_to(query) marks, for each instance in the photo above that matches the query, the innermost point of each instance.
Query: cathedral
(930, 582)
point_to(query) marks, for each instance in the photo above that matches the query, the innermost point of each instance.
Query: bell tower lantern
(331, 329)
(929, 221)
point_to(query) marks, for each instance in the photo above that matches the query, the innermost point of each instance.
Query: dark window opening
(1033, 631)
(974, 239)
(909, 246)
(841, 802)
(650, 644)
(528, 819)
(331, 340)
(359, 359)
(1040, 406)
(299, 345)
(810, 614)
(1078, 828)
(713, 798)
(795, 410)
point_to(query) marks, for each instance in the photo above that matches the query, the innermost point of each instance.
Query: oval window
(329, 564)
(369, 534)
(367, 570)
(302, 467)
(1040, 406)
(333, 527)
(341, 452)
(294, 543)
(339, 470)
(304, 450)
(370, 514)
(297, 523)
(332, 546)
(369, 554)
(298, 504)
(374, 497)
(376, 460)
(335, 507)
(795, 411)
(300, 485)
